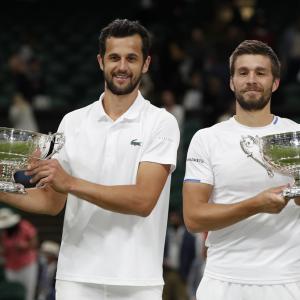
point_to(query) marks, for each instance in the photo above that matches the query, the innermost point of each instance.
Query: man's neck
(116, 105)
(254, 118)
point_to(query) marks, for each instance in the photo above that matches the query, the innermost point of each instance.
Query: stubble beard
(129, 88)
(253, 104)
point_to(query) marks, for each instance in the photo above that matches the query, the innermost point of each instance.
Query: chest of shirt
(237, 173)
(105, 150)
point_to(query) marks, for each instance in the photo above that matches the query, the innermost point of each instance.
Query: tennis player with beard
(253, 240)
(113, 175)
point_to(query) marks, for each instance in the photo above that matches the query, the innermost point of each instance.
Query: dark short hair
(123, 28)
(256, 48)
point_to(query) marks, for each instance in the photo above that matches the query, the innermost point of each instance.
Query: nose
(251, 78)
(123, 66)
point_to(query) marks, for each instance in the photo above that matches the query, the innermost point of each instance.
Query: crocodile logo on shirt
(135, 142)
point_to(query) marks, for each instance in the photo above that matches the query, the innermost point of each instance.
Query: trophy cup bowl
(280, 153)
(18, 147)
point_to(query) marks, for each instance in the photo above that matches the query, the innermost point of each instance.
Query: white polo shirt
(100, 246)
(264, 248)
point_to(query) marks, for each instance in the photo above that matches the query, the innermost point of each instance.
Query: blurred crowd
(189, 74)
(27, 266)
(192, 42)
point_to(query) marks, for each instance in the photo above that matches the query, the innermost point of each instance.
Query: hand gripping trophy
(279, 152)
(18, 147)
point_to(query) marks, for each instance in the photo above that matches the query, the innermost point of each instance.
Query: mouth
(121, 78)
(252, 91)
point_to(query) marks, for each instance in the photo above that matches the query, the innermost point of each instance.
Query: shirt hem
(111, 281)
(258, 281)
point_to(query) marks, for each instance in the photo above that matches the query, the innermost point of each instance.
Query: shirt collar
(101, 114)
(131, 114)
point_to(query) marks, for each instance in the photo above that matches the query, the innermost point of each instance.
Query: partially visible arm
(137, 199)
(41, 201)
(199, 215)
(297, 200)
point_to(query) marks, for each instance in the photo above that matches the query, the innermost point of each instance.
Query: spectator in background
(37, 84)
(48, 264)
(18, 68)
(21, 115)
(169, 102)
(260, 30)
(179, 254)
(175, 66)
(290, 52)
(29, 78)
(198, 265)
(193, 97)
(19, 245)
(215, 98)
(228, 113)
(197, 47)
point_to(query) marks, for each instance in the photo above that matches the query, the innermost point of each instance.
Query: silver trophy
(18, 147)
(277, 152)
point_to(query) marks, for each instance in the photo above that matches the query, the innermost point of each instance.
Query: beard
(125, 90)
(253, 104)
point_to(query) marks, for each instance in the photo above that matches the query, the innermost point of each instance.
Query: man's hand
(49, 172)
(271, 201)
(297, 200)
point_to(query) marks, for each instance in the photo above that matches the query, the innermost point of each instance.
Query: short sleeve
(198, 166)
(163, 143)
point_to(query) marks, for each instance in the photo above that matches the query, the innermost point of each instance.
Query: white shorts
(69, 290)
(213, 289)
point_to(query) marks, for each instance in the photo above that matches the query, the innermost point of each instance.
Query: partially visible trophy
(18, 147)
(278, 152)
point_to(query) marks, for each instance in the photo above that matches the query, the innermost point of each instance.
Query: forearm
(297, 200)
(210, 216)
(136, 199)
(201, 215)
(126, 199)
(40, 201)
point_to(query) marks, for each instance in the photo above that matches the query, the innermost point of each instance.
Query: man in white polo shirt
(114, 176)
(253, 240)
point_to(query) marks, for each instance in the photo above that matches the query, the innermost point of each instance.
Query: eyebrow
(132, 54)
(114, 54)
(256, 68)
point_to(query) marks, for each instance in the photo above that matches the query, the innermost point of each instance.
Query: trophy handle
(249, 141)
(59, 140)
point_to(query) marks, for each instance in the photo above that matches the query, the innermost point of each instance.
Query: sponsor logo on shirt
(198, 160)
(135, 142)
(165, 138)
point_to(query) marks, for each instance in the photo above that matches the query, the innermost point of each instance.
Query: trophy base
(291, 192)
(11, 187)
